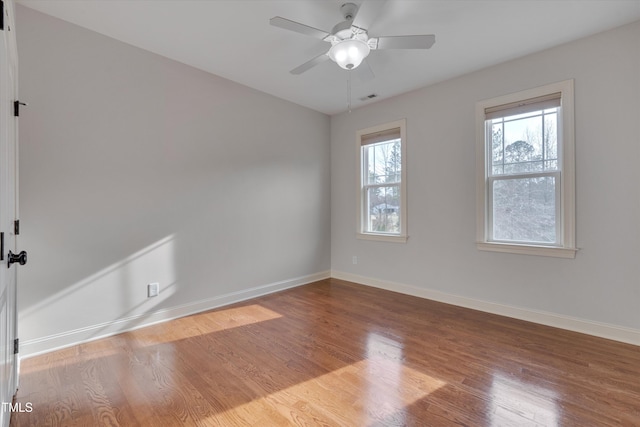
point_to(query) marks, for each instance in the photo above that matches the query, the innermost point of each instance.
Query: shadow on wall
(117, 286)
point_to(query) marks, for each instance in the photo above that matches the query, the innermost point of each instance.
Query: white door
(8, 211)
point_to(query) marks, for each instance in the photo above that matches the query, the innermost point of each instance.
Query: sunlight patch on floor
(522, 403)
(205, 323)
(359, 394)
(377, 389)
(183, 328)
(229, 318)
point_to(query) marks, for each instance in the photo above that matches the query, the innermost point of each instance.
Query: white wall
(599, 291)
(137, 169)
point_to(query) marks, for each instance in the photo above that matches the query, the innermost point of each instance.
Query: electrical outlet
(153, 289)
(355, 259)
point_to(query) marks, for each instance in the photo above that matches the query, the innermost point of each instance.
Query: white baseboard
(603, 330)
(34, 347)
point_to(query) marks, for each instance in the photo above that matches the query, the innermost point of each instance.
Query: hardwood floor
(334, 353)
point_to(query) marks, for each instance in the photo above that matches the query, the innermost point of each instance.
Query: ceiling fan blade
(310, 64)
(287, 24)
(406, 42)
(367, 13)
(363, 72)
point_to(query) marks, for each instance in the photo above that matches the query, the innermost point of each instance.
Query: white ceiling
(233, 38)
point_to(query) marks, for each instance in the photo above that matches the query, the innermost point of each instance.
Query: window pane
(524, 210)
(384, 162)
(497, 148)
(551, 139)
(524, 143)
(383, 209)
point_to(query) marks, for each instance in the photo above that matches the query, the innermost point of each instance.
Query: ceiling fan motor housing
(341, 30)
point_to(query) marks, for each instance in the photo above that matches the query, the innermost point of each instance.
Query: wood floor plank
(335, 353)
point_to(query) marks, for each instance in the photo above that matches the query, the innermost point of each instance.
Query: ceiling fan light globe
(350, 53)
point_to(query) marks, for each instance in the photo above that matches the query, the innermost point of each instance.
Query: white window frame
(565, 176)
(362, 233)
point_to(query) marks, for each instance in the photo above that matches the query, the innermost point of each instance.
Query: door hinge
(16, 346)
(16, 227)
(2, 246)
(1, 15)
(16, 107)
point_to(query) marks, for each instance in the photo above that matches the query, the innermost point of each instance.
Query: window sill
(394, 238)
(549, 251)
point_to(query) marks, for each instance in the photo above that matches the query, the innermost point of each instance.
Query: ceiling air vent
(368, 97)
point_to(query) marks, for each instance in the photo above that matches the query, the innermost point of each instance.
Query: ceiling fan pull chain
(349, 90)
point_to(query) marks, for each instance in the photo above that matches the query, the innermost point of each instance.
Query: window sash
(544, 161)
(367, 161)
(558, 207)
(366, 215)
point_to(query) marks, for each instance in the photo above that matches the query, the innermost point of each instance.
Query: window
(525, 162)
(382, 213)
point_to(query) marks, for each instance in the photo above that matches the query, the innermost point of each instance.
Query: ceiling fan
(350, 41)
